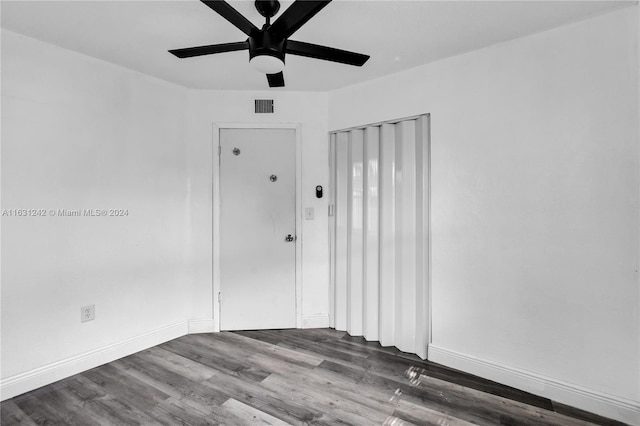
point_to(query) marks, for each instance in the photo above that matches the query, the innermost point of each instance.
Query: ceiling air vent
(264, 106)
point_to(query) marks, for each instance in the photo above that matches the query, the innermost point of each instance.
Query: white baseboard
(200, 325)
(33, 379)
(597, 402)
(315, 321)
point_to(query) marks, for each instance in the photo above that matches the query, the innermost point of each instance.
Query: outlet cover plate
(87, 313)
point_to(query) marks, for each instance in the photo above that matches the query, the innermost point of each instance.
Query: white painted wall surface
(224, 107)
(79, 133)
(535, 202)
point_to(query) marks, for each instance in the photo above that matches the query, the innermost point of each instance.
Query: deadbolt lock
(289, 238)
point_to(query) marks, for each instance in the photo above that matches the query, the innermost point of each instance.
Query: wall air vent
(264, 106)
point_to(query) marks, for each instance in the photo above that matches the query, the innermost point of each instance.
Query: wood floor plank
(335, 385)
(174, 411)
(328, 332)
(259, 335)
(360, 340)
(210, 358)
(394, 367)
(76, 410)
(371, 347)
(342, 356)
(186, 387)
(135, 392)
(423, 416)
(247, 415)
(279, 377)
(440, 372)
(251, 346)
(276, 365)
(366, 350)
(312, 334)
(229, 346)
(127, 367)
(95, 399)
(470, 405)
(326, 348)
(11, 414)
(271, 402)
(192, 370)
(503, 409)
(348, 411)
(51, 409)
(38, 412)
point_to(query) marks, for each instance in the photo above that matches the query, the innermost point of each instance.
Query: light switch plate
(308, 213)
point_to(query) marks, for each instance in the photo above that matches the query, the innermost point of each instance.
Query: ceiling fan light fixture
(267, 64)
(268, 45)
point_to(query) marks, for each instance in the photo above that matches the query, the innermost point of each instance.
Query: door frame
(217, 127)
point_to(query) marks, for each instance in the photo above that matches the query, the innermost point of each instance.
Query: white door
(257, 229)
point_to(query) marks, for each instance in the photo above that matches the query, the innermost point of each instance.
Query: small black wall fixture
(319, 191)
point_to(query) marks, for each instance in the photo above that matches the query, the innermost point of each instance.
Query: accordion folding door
(379, 229)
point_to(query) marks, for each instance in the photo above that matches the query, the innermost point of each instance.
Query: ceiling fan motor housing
(264, 43)
(267, 8)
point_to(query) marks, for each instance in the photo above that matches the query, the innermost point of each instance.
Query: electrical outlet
(87, 313)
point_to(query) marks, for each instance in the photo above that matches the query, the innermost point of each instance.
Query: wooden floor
(280, 377)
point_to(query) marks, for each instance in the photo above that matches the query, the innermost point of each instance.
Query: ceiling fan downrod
(268, 9)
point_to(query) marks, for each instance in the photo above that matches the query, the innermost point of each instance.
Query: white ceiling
(397, 34)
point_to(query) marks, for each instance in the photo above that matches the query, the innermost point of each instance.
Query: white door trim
(216, 212)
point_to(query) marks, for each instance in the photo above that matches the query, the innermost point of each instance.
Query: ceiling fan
(268, 46)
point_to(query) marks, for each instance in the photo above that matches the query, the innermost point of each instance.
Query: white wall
(226, 107)
(535, 207)
(78, 133)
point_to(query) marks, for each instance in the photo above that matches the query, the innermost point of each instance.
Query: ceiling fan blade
(189, 52)
(225, 10)
(296, 16)
(276, 80)
(327, 53)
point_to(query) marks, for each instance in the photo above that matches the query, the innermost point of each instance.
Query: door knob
(289, 238)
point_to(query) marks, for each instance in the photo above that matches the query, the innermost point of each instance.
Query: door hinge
(330, 209)
(219, 150)
(219, 297)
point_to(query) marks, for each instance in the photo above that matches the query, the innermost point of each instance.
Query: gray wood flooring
(280, 377)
